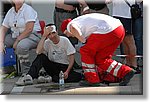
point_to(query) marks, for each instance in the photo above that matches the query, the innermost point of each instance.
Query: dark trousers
(52, 68)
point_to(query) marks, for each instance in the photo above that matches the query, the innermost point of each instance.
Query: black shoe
(42, 73)
(85, 83)
(106, 83)
(127, 78)
(137, 70)
(140, 62)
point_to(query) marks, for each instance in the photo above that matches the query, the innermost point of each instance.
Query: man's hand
(2, 48)
(65, 75)
(15, 44)
(47, 31)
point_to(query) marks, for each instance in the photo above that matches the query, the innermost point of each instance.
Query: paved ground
(135, 87)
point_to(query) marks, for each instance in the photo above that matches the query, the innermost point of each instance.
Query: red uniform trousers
(96, 55)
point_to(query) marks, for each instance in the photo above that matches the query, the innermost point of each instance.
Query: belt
(38, 32)
(62, 10)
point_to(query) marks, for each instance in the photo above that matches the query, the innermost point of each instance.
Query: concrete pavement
(135, 87)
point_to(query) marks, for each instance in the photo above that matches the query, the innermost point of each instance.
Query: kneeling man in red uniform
(101, 34)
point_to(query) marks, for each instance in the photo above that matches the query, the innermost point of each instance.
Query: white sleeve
(69, 47)
(30, 14)
(75, 26)
(6, 20)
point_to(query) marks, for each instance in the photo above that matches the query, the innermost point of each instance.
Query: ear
(65, 32)
(76, 32)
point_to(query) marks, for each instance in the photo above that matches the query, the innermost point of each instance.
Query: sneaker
(42, 72)
(44, 79)
(25, 80)
(85, 83)
(127, 78)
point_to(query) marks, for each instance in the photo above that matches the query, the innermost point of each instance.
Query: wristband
(86, 8)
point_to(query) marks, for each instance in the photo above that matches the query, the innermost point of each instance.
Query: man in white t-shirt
(101, 34)
(55, 54)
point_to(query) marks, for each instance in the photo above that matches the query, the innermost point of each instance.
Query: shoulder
(10, 10)
(63, 38)
(65, 41)
(27, 7)
(47, 41)
(9, 13)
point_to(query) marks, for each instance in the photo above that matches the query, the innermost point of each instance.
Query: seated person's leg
(22, 51)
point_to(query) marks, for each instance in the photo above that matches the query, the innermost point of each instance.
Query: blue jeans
(138, 35)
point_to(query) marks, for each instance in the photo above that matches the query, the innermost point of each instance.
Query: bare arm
(40, 47)
(71, 62)
(61, 4)
(25, 33)
(84, 7)
(3, 31)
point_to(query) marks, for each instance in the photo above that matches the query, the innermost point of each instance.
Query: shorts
(127, 23)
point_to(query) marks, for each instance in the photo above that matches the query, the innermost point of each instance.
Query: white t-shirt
(59, 52)
(121, 9)
(95, 23)
(25, 14)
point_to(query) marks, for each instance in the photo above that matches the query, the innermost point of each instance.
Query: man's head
(72, 30)
(51, 32)
(64, 24)
(52, 28)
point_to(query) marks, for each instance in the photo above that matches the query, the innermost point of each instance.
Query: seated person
(23, 21)
(55, 54)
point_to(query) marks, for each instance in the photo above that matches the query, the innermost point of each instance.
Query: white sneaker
(25, 80)
(44, 79)
(42, 72)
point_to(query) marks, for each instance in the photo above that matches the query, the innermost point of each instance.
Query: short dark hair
(50, 24)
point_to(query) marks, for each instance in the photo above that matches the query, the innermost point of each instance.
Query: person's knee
(22, 48)
(41, 55)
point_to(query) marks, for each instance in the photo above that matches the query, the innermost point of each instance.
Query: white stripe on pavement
(17, 90)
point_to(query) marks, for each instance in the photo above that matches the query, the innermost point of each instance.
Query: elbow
(30, 30)
(38, 52)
